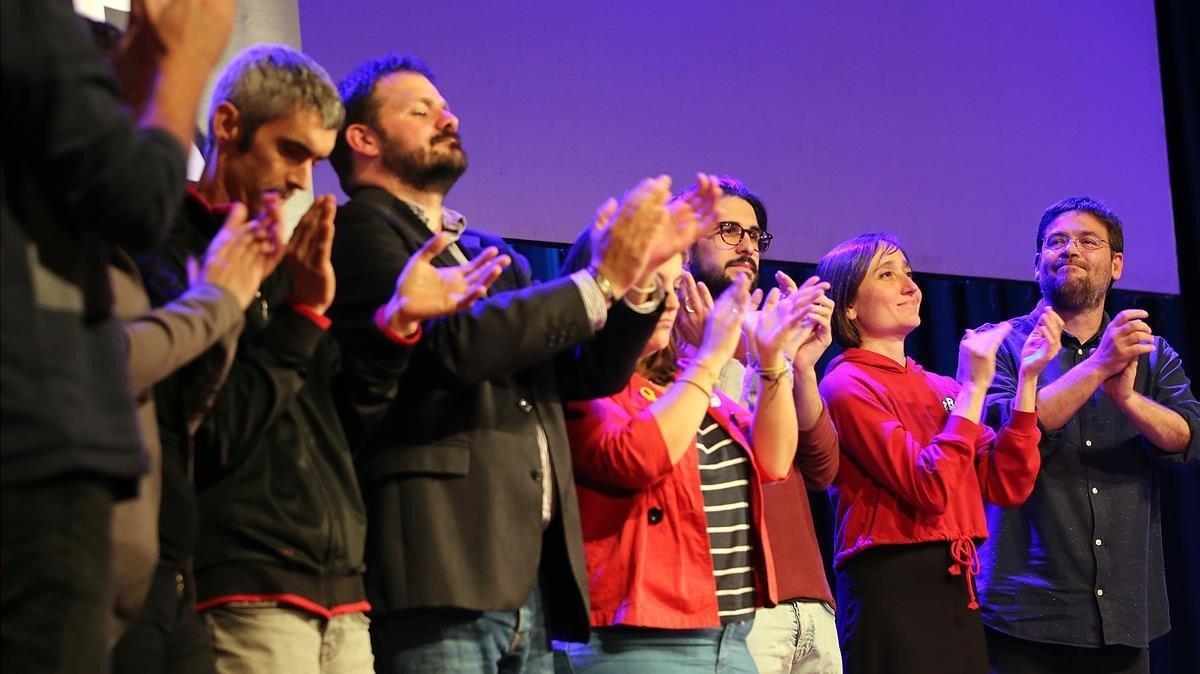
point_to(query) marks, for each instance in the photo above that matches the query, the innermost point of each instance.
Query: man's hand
(1126, 337)
(808, 347)
(307, 257)
(622, 235)
(169, 52)
(190, 30)
(424, 291)
(244, 252)
(1119, 387)
(693, 215)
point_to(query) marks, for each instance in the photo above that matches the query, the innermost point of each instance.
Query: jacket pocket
(450, 458)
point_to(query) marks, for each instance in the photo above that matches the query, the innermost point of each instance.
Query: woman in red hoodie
(916, 466)
(670, 493)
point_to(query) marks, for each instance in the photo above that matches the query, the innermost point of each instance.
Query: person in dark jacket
(475, 543)
(78, 175)
(279, 545)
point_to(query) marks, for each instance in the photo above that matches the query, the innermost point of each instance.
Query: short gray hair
(265, 81)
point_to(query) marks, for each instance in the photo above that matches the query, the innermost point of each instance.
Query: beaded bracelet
(772, 374)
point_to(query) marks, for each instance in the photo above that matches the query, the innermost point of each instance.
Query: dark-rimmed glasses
(732, 234)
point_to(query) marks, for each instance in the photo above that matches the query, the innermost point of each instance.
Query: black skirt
(901, 611)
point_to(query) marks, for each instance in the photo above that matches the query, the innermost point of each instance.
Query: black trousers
(901, 612)
(1011, 655)
(168, 636)
(56, 575)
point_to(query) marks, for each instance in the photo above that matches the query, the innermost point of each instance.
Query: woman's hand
(695, 303)
(244, 252)
(1043, 344)
(723, 329)
(977, 355)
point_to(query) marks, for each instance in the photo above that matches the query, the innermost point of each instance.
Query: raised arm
(817, 450)
(165, 338)
(121, 179)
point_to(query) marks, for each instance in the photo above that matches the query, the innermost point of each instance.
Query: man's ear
(1037, 267)
(1118, 265)
(362, 140)
(226, 125)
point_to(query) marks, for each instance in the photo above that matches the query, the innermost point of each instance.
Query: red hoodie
(910, 472)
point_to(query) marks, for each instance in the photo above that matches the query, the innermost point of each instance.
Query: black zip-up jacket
(280, 512)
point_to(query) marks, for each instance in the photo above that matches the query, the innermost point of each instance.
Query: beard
(1073, 295)
(718, 281)
(424, 169)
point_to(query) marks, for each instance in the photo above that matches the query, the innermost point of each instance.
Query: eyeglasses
(1061, 241)
(732, 234)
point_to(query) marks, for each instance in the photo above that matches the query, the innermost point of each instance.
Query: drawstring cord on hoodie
(966, 563)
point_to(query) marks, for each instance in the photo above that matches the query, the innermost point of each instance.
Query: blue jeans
(455, 640)
(621, 650)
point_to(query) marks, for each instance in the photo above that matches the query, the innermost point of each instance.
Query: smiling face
(418, 133)
(717, 263)
(669, 274)
(278, 158)
(887, 304)
(1073, 278)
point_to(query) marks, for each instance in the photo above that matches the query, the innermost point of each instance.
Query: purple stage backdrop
(951, 123)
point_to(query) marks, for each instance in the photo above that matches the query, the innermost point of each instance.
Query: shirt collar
(1073, 341)
(453, 222)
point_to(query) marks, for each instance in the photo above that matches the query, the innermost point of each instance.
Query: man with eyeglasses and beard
(1072, 580)
(805, 606)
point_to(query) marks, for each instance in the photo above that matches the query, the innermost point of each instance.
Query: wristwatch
(605, 286)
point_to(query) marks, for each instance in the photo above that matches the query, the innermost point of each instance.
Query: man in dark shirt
(1072, 581)
(78, 175)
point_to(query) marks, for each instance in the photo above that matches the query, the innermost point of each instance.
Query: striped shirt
(725, 474)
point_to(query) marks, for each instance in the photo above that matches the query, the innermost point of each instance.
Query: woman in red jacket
(670, 496)
(916, 466)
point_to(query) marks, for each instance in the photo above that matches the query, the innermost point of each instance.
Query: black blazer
(452, 475)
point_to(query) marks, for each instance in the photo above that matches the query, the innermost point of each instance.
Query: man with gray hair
(278, 541)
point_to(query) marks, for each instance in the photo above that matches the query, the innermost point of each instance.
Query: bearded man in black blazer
(475, 555)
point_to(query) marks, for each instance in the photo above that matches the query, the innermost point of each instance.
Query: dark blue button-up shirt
(1081, 562)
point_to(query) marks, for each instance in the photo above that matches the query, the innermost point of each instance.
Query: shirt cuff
(649, 306)
(381, 322)
(593, 300)
(306, 311)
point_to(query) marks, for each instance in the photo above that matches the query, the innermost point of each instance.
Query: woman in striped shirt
(670, 492)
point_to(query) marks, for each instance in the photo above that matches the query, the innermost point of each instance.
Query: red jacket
(908, 473)
(645, 533)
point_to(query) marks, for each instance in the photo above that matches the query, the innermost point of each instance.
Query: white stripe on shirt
(724, 485)
(728, 529)
(723, 464)
(726, 506)
(731, 571)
